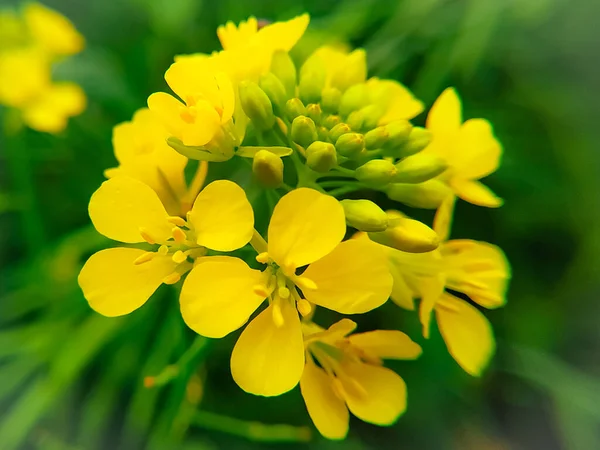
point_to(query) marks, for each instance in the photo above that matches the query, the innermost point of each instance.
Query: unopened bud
(314, 112)
(275, 90)
(256, 105)
(294, 108)
(376, 171)
(353, 70)
(331, 121)
(330, 99)
(419, 139)
(268, 169)
(304, 131)
(375, 138)
(321, 156)
(353, 99)
(312, 79)
(350, 144)
(364, 215)
(407, 235)
(339, 130)
(398, 133)
(323, 134)
(427, 195)
(356, 120)
(283, 68)
(418, 168)
(371, 115)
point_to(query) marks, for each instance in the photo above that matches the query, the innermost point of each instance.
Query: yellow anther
(261, 290)
(278, 316)
(283, 292)
(146, 236)
(179, 257)
(172, 279)
(305, 283)
(176, 220)
(262, 258)
(188, 114)
(304, 307)
(178, 234)
(144, 258)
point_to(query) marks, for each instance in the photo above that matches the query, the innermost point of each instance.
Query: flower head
(350, 376)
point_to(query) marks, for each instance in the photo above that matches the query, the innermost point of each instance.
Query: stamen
(163, 250)
(283, 292)
(262, 258)
(179, 257)
(338, 389)
(178, 234)
(172, 279)
(277, 315)
(305, 283)
(144, 258)
(146, 236)
(261, 290)
(176, 220)
(303, 307)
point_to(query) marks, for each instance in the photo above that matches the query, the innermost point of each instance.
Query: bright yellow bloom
(470, 149)
(142, 151)
(117, 281)
(24, 75)
(51, 31)
(306, 228)
(393, 100)
(343, 69)
(350, 376)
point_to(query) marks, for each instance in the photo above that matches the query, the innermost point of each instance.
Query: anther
(178, 234)
(303, 307)
(146, 236)
(163, 250)
(172, 279)
(179, 257)
(261, 290)
(144, 258)
(176, 220)
(283, 292)
(262, 258)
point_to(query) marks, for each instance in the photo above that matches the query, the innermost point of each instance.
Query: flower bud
(275, 90)
(376, 171)
(323, 134)
(407, 235)
(350, 144)
(419, 139)
(331, 121)
(338, 130)
(427, 195)
(314, 112)
(364, 215)
(330, 99)
(321, 156)
(398, 132)
(283, 68)
(353, 99)
(312, 79)
(268, 169)
(304, 131)
(356, 120)
(352, 72)
(418, 168)
(375, 138)
(371, 115)
(256, 105)
(294, 108)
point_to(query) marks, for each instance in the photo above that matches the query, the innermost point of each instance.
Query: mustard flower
(306, 229)
(350, 376)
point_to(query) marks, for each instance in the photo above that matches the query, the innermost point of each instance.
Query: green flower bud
(353, 99)
(354, 70)
(428, 195)
(275, 90)
(323, 134)
(398, 132)
(350, 144)
(330, 100)
(376, 138)
(339, 130)
(321, 156)
(356, 120)
(419, 139)
(304, 131)
(283, 68)
(371, 115)
(376, 171)
(312, 79)
(256, 105)
(294, 108)
(331, 121)
(418, 168)
(364, 215)
(407, 235)
(314, 112)
(268, 169)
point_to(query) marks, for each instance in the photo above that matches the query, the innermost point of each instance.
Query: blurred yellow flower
(306, 228)
(51, 31)
(24, 76)
(350, 376)
(117, 281)
(470, 149)
(392, 100)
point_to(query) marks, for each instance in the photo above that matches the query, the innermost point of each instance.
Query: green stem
(342, 171)
(253, 431)
(344, 190)
(258, 243)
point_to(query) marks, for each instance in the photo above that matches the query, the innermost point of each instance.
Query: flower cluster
(30, 44)
(338, 132)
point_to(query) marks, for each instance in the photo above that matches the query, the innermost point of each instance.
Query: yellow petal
(431, 289)
(396, 101)
(478, 151)
(283, 35)
(445, 117)
(123, 205)
(352, 279)
(382, 397)
(204, 127)
(218, 295)
(268, 359)
(477, 269)
(386, 344)
(24, 76)
(476, 193)
(222, 217)
(443, 218)
(467, 333)
(401, 294)
(305, 226)
(167, 108)
(52, 30)
(232, 36)
(114, 285)
(51, 110)
(332, 335)
(327, 411)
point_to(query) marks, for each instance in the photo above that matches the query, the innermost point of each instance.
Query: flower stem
(258, 243)
(195, 186)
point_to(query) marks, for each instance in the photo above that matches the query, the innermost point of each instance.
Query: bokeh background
(70, 379)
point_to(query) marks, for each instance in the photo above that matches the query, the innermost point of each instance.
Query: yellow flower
(393, 100)
(12, 30)
(140, 147)
(51, 31)
(219, 295)
(24, 75)
(343, 69)
(470, 149)
(117, 281)
(350, 376)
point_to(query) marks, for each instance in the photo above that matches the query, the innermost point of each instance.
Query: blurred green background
(70, 379)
